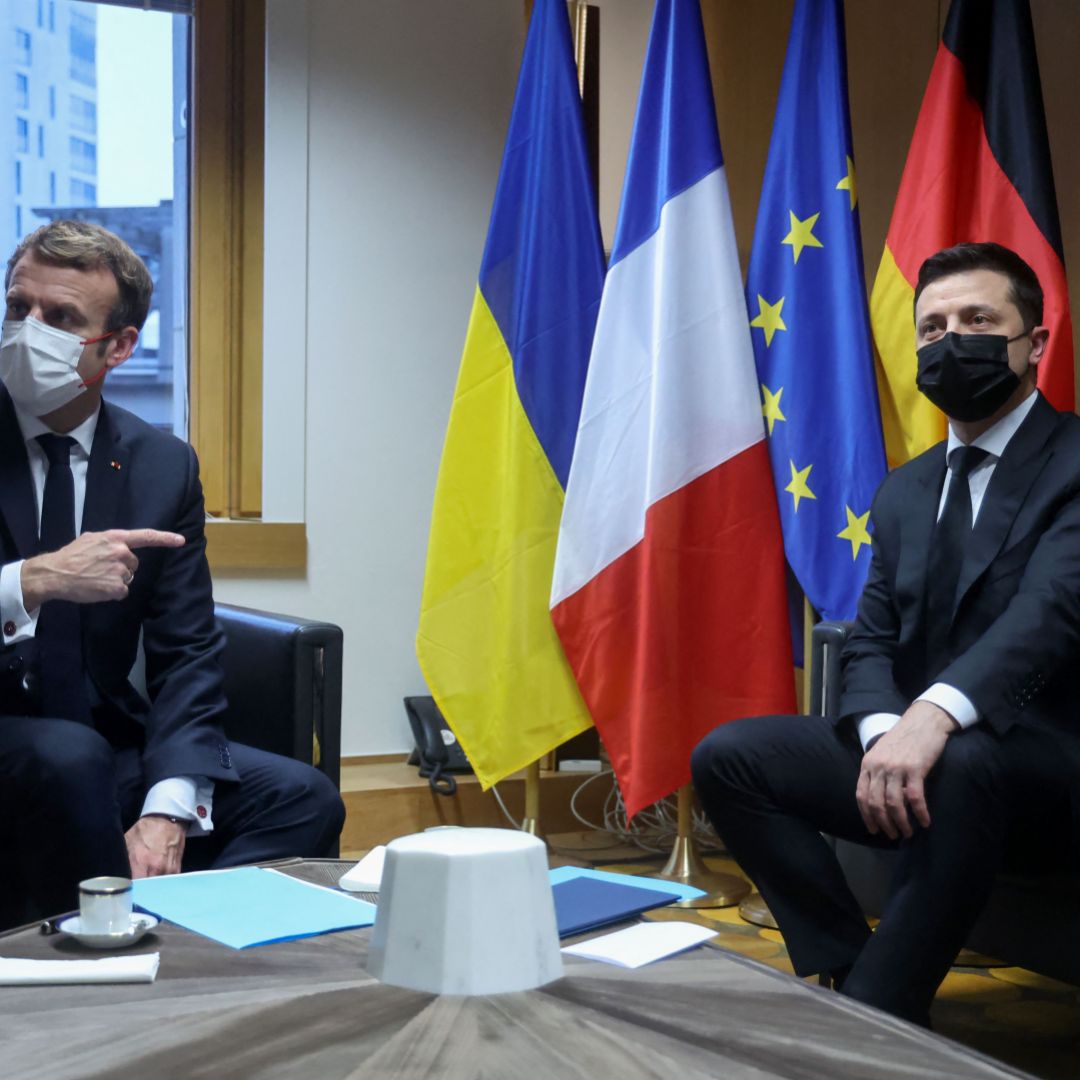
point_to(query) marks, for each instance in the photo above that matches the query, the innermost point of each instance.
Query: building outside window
(23, 48)
(83, 115)
(86, 127)
(22, 91)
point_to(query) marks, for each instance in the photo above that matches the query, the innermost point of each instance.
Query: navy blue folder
(584, 903)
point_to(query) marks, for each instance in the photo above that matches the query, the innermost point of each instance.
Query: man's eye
(15, 310)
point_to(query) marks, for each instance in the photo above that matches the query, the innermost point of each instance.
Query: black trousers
(772, 785)
(67, 797)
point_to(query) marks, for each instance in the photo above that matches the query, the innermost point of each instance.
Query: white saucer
(140, 924)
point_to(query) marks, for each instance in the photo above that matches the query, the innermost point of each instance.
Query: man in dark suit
(101, 540)
(958, 732)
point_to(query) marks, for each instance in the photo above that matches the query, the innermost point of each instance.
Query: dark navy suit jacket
(138, 477)
(1014, 639)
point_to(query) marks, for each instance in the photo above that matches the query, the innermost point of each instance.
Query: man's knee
(57, 756)
(721, 757)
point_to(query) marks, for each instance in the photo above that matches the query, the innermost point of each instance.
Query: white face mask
(39, 364)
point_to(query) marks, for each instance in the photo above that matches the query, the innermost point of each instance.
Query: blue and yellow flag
(807, 301)
(486, 643)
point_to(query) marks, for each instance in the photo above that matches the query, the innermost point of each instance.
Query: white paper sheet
(111, 969)
(642, 944)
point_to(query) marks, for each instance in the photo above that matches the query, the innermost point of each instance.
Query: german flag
(978, 169)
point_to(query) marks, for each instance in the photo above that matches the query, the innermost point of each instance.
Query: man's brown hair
(85, 246)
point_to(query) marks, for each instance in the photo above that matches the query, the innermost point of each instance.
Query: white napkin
(366, 875)
(110, 969)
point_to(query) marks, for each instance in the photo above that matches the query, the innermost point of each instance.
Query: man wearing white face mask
(101, 538)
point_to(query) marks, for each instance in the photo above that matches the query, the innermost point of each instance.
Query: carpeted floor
(1016, 1016)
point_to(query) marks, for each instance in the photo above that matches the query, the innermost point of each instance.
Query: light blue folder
(640, 881)
(249, 905)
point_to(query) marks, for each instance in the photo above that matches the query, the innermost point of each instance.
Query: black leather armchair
(283, 684)
(1030, 920)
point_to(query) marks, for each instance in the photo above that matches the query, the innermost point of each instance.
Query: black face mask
(967, 376)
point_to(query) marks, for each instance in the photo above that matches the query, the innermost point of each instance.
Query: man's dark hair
(1024, 288)
(85, 246)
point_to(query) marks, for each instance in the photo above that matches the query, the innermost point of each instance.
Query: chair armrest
(826, 641)
(283, 685)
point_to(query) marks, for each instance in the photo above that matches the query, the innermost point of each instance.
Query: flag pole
(687, 867)
(530, 823)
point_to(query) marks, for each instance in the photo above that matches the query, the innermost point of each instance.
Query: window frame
(226, 299)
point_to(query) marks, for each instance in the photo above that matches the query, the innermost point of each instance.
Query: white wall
(378, 196)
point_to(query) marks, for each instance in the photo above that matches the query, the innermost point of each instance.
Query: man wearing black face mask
(958, 731)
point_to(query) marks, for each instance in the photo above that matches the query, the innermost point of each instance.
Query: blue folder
(585, 903)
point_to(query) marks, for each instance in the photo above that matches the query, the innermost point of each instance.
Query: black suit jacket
(138, 477)
(1014, 639)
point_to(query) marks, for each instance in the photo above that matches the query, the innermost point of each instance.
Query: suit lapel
(1013, 476)
(106, 475)
(17, 503)
(917, 528)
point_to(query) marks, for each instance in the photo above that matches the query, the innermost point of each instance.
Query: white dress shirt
(188, 797)
(993, 441)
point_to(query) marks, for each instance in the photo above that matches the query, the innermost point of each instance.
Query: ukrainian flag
(486, 643)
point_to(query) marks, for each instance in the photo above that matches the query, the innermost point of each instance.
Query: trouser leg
(771, 785)
(976, 792)
(58, 798)
(279, 808)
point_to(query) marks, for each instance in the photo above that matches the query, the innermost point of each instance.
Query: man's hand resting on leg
(895, 768)
(155, 846)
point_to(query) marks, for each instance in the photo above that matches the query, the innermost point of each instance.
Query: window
(40, 13)
(18, 177)
(82, 42)
(83, 194)
(223, 317)
(22, 91)
(22, 135)
(83, 155)
(83, 115)
(23, 52)
(41, 140)
(18, 221)
(52, 186)
(52, 102)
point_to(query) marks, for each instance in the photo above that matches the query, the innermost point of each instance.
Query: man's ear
(123, 344)
(1040, 335)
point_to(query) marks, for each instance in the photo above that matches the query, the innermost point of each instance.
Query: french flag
(669, 585)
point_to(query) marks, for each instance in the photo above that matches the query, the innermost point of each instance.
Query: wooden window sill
(233, 544)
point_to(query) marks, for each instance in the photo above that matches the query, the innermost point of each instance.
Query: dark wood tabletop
(308, 1009)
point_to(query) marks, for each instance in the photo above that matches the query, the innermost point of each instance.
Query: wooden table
(308, 1009)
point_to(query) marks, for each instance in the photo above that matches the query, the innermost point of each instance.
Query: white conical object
(466, 911)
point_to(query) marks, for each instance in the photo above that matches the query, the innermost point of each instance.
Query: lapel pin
(115, 465)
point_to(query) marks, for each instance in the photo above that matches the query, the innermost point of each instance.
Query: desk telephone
(437, 750)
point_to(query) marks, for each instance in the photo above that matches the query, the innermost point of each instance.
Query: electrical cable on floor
(653, 829)
(502, 806)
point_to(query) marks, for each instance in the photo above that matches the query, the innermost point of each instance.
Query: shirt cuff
(18, 625)
(190, 797)
(957, 705)
(874, 724)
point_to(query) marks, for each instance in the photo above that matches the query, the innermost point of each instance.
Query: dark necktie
(59, 630)
(951, 538)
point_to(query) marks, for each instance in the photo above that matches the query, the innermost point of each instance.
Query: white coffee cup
(105, 905)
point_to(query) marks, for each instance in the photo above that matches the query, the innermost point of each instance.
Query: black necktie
(951, 537)
(59, 630)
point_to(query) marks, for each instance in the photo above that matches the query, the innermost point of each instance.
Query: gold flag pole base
(530, 823)
(754, 910)
(687, 867)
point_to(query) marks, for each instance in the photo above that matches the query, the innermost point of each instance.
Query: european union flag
(811, 333)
